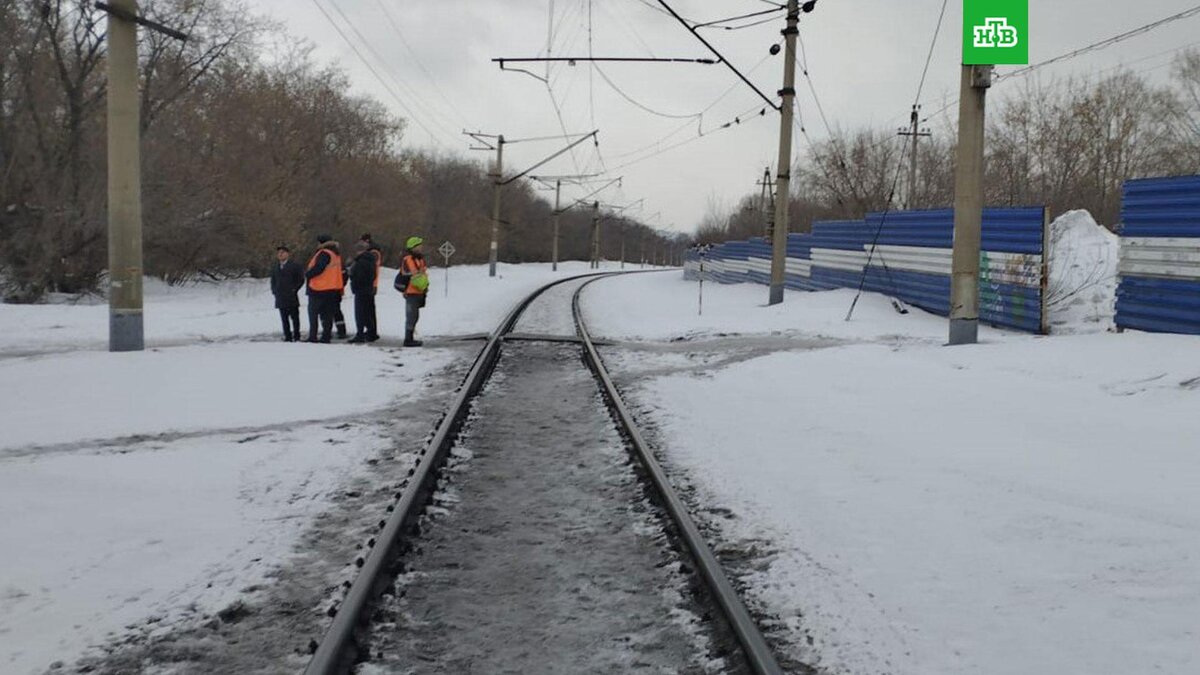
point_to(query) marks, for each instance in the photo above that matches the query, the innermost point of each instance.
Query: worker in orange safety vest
(325, 284)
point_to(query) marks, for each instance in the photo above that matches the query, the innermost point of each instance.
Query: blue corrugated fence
(910, 261)
(1160, 255)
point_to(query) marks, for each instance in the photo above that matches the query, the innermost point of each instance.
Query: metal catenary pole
(783, 175)
(125, 325)
(968, 205)
(497, 187)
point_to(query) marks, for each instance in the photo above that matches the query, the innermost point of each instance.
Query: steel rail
(337, 651)
(754, 646)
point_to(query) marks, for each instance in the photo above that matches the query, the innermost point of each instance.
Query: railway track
(505, 556)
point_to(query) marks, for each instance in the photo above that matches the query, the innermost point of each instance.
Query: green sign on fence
(996, 32)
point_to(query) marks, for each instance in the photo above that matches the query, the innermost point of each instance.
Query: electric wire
(395, 24)
(1108, 42)
(862, 282)
(718, 22)
(391, 74)
(718, 54)
(399, 101)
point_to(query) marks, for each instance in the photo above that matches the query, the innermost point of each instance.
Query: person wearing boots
(325, 284)
(413, 266)
(377, 253)
(362, 284)
(339, 319)
(287, 278)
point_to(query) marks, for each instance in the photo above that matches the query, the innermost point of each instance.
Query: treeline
(1068, 144)
(245, 145)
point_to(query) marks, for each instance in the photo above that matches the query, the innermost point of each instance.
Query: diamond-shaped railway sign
(447, 249)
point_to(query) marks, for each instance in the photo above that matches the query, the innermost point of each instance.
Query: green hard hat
(413, 242)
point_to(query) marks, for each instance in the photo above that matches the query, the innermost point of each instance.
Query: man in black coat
(362, 283)
(286, 281)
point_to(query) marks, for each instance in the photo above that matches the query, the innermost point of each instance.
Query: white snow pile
(1084, 256)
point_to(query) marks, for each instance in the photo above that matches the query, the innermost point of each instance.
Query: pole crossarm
(582, 200)
(719, 56)
(484, 140)
(141, 21)
(542, 163)
(602, 59)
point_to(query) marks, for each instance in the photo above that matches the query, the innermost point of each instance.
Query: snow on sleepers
(1160, 255)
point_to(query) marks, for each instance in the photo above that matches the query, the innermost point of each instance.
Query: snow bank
(666, 307)
(243, 309)
(1084, 256)
(1027, 505)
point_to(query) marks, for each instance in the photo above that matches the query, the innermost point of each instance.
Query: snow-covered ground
(1026, 505)
(468, 303)
(142, 486)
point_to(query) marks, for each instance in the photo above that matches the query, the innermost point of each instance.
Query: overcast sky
(865, 59)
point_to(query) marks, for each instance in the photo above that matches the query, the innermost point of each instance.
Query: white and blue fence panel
(1159, 287)
(906, 255)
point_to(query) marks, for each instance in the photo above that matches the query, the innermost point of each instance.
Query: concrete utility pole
(915, 131)
(622, 244)
(968, 205)
(497, 187)
(125, 323)
(783, 173)
(557, 216)
(595, 262)
(766, 203)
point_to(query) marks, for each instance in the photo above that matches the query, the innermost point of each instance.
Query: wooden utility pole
(968, 205)
(783, 173)
(914, 131)
(125, 321)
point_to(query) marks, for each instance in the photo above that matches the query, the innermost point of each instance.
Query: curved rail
(337, 650)
(758, 654)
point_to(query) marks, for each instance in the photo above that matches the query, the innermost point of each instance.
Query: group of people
(326, 276)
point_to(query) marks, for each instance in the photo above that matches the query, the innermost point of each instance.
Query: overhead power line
(396, 97)
(771, 102)
(718, 22)
(1104, 43)
(929, 58)
(417, 59)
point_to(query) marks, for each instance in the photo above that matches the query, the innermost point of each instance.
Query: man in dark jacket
(325, 284)
(286, 281)
(362, 283)
(377, 253)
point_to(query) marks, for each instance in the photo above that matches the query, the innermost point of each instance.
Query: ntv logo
(995, 33)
